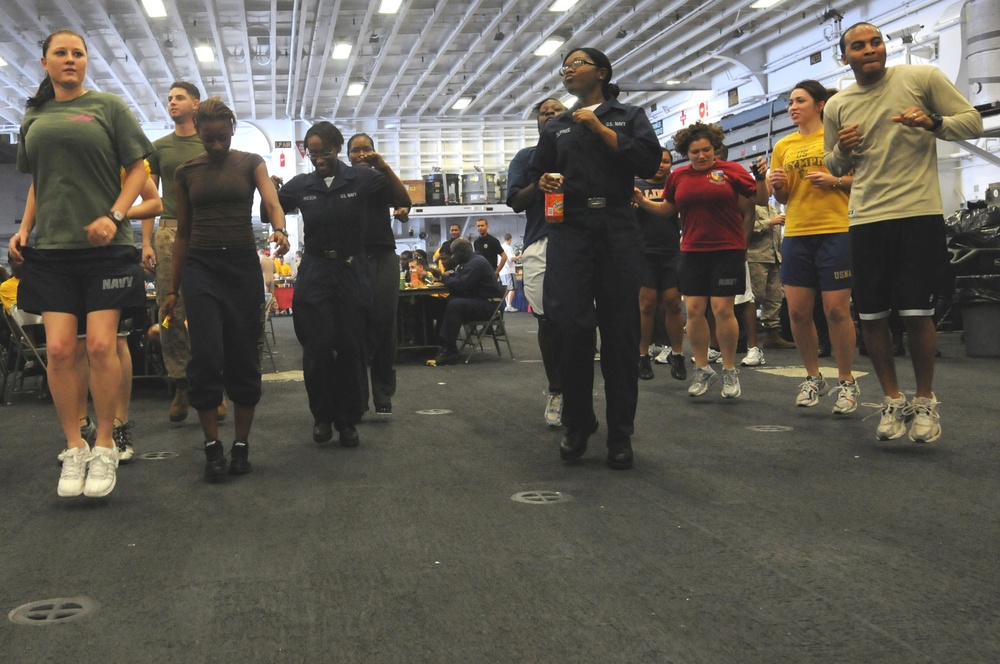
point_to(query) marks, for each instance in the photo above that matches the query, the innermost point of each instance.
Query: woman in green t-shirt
(83, 269)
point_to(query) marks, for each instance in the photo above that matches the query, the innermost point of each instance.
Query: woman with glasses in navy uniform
(333, 290)
(592, 155)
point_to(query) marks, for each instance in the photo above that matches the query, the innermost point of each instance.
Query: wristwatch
(937, 120)
(116, 217)
(282, 231)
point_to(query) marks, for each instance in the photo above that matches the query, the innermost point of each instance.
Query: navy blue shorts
(713, 273)
(659, 271)
(817, 261)
(898, 265)
(79, 281)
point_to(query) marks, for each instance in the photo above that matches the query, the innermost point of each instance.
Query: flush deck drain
(53, 611)
(769, 428)
(540, 497)
(433, 411)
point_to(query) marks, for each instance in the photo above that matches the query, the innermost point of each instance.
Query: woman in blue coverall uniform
(595, 256)
(333, 292)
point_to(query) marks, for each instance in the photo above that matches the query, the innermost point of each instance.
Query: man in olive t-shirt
(170, 152)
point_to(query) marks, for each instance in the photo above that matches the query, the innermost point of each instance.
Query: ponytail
(46, 91)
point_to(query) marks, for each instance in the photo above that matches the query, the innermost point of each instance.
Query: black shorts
(713, 273)
(79, 281)
(898, 265)
(659, 271)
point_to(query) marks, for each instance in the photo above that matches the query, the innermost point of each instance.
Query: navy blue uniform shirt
(535, 227)
(590, 168)
(475, 279)
(334, 217)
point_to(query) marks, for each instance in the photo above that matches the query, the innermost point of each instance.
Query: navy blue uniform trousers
(383, 267)
(332, 301)
(592, 278)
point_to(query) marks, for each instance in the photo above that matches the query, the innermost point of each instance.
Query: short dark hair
(461, 249)
(538, 107)
(189, 88)
(214, 109)
(327, 133)
(360, 135)
(843, 35)
(697, 131)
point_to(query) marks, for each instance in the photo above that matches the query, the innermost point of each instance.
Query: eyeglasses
(320, 155)
(573, 66)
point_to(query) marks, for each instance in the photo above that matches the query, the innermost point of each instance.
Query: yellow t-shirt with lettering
(810, 210)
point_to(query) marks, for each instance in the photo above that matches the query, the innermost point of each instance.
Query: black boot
(215, 460)
(239, 458)
(620, 454)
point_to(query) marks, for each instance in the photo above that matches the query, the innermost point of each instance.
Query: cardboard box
(417, 191)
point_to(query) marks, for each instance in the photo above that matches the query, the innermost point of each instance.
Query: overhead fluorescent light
(389, 6)
(562, 5)
(550, 46)
(154, 8)
(764, 4)
(341, 51)
(462, 103)
(204, 53)
(355, 89)
(3, 63)
(672, 82)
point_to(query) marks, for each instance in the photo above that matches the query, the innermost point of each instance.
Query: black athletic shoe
(239, 458)
(677, 369)
(645, 368)
(215, 461)
(383, 409)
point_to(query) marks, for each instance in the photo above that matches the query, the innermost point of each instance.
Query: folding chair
(263, 344)
(494, 328)
(23, 326)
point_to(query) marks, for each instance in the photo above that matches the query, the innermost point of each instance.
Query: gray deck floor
(723, 544)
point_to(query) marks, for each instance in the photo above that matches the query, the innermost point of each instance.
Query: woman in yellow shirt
(816, 250)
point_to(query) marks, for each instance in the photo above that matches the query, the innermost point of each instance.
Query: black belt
(331, 254)
(595, 202)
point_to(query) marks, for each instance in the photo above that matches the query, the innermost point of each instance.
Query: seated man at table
(473, 285)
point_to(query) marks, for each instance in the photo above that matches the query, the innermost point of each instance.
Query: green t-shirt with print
(75, 151)
(170, 152)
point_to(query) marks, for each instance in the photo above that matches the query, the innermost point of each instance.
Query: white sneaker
(754, 358)
(731, 383)
(553, 410)
(926, 426)
(847, 397)
(714, 356)
(702, 380)
(893, 422)
(74, 471)
(101, 477)
(810, 390)
(664, 355)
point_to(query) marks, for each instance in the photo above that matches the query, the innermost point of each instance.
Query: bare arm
(20, 239)
(269, 199)
(661, 208)
(181, 241)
